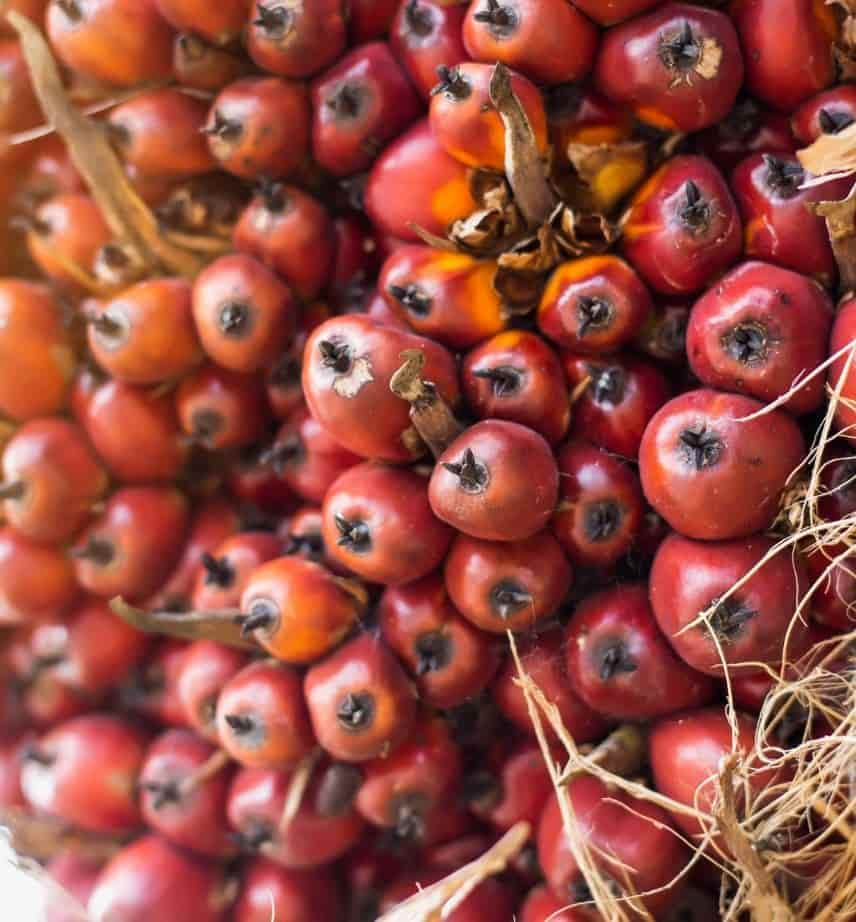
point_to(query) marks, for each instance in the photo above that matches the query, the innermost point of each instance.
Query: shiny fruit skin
(679, 67)
(466, 124)
(425, 35)
(451, 660)
(756, 624)
(712, 476)
(498, 481)
(828, 112)
(225, 569)
(360, 701)
(296, 39)
(548, 41)
(621, 665)
(542, 905)
(219, 23)
(683, 227)
(504, 586)
(786, 65)
(844, 367)
(205, 669)
(36, 580)
(36, 356)
(594, 305)
(377, 522)
(757, 331)
(293, 896)
(415, 182)
(355, 403)
(608, 13)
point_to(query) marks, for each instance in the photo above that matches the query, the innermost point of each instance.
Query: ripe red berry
(620, 663)
(296, 896)
(36, 580)
(683, 228)
(600, 509)
(679, 66)
(756, 624)
(378, 523)
(843, 335)
(745, 130)
(829, 112)
(547, 40)
(498, 481)
(259, 126)
(507, 585)
(757, 331)
(359, 105)
(85, 771)
(542, 905)
(710, 473)
(220, 23)
(150, 690)
(205, 669)
(226, 568)
(426, 35)
(200, 66)
(296, 40)
(360, 701)
(244, 314)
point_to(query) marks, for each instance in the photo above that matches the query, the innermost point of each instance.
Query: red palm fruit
(360, 701)
(297, 610)
(415, 182)
(77, 875)
(833, 602)
(225, 569)
(36, 356)
(621, 665)
(258, 488)
(50, 171)
(425, 35)
(745, 130)
(447, 296)
(710, 473)
(778, 223)
(786, 65)
(131, 548)
(420, 776)
(347, 364)
(85, 772)
(467, 125)
(261, 716)
(621, 395)
(183, 789)
(200, 66)
(297, 39)
(630, 841)
(542, 905)
(36, 580)
(579, 115)
(683, 228)
(301, 535)
(517, 791)
(244, 314)
(679, 66)
(12, 749)
(119, 42)
(757, 623)
(220, 23)
(596, 304)
(259, 126)
(152, 879)
(51, 480)
(758, 331)
(319, 832)
(368, 19)
(145, 335)
(205, 669)
(507, 585)
(354, 262)
(547, 40)
(150, 690)
(497, 481)
(91, 650)
(516, 376)
(159, 132)
(686, 752)
(543, 659)
(282, 378)
(294, 896)
(663, 338)
(828, 112)
(307, 457)
(600, 509)
(378, 523)
(291, 233)
(134, 430)
(451, 660)
(65, 235)
(844, 367)
(360, 104)
(218, 408)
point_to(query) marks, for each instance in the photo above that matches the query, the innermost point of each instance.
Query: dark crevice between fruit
(681, 51)
(356, 711)
(218, 571)
(337, 789)
(831, 122)
(452, 84)
(562, 101)
(433, 652)
(283, 454)
(742, 122)
(346, 101)
(700, 447)
(508, 597)
(783, 176)
(601, 520)
(233, 319)
(335, 355)
(613, 660)
(607, 383)
(418, 18)
(473, 476)
(593, 313)
(286, 372)
(747, 343)
(163, 792)
(310, 544)
(694, 211)
(412, 298)
(729, 617)
(275, 21)
(98, 551)
(500, 20)
(482, 789)
(262, 615)
(354, 534)
(505, 380)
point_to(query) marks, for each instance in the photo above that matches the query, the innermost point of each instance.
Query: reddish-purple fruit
(830, 112)
(225, 570)
(293, 896)
(296, 39)
(425, 35)
(205, 669)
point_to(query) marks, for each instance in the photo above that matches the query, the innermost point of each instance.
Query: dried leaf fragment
(831, 153)
(841, 225)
